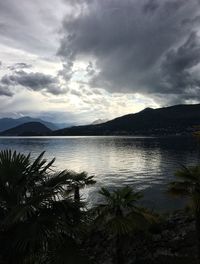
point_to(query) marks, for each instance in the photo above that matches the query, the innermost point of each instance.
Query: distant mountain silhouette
(99, 121)
(7, 123)
(176, 119)
(28, 129)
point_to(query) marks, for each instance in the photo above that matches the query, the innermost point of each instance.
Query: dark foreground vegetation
(44, 220)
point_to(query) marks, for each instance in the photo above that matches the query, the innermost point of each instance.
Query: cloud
(127, 44)
(33, 80)
(66, 71)
(31, 25)
(90, 69)
(178, 67)
(19, 66)
(5, 91)
(150, 6)
(98, 58)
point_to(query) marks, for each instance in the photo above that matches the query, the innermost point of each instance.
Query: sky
(76, 61)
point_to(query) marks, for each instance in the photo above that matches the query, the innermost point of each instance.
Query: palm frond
(35, 206)
(119, 212)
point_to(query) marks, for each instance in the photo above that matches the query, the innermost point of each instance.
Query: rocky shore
(172, 240)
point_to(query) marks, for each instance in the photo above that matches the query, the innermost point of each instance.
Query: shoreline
(172, 240)
(103, 136)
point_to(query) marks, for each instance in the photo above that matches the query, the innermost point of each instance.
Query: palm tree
(188, 184)
(77, 181)
(34, 208)
(119, 215)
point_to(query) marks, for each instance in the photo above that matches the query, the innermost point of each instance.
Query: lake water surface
(146, 164)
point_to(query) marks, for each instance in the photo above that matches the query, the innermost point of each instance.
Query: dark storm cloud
(178, 63)
(34, 80)
(136, 44)
(191, 21)
(150, 6)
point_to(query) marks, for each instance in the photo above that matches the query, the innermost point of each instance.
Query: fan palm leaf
(34, 207)
(120, 215)
(77, 181)
(188, 184)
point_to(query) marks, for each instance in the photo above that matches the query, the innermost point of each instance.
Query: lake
(144, 163)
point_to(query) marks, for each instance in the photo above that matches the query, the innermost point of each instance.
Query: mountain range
(178, 119)
(28, 129)
(7, 123)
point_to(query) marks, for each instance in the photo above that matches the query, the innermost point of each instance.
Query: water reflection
(146, 164)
